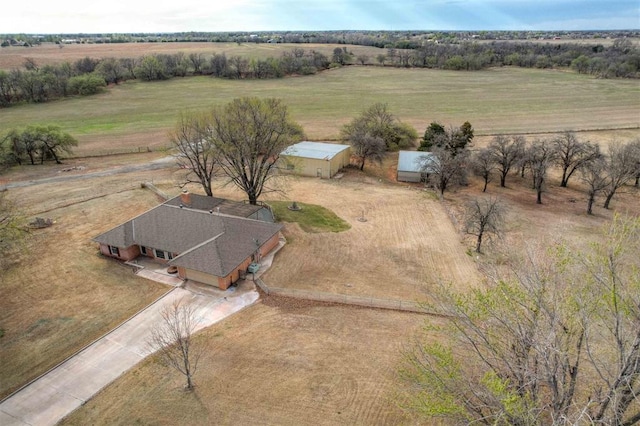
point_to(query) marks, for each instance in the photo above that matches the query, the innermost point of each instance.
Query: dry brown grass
(273, 363)
(50, 53)
(62, 294)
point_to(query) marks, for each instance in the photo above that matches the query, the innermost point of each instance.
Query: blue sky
(72, 16)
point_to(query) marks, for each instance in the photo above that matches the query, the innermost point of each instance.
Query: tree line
(87, 76)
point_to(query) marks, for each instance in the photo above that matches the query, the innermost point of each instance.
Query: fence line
(344, 299)
(121, 151)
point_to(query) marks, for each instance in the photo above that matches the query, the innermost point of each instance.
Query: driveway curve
(52, 396)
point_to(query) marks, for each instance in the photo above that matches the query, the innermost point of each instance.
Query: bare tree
(362, 58)
(621, 169)
(484, 216)
(197, 61)
(540, 156)
(192, 137)
(572, 154)
(506, 153)
(172, 337)
(556, 341)
(594, 176)
(444, 169)
(367, 147)
(249, 135)
(483, 166)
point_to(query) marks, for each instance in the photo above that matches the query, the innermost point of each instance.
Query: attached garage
(317, 159)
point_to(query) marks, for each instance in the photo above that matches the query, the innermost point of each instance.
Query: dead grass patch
(269, 365)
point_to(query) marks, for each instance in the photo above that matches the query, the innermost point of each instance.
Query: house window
(169, 255)
(143, 250)
(159, 254)
(114, 251)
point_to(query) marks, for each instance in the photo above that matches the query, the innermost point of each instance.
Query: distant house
(209, 240)
(316, 159)
(411, 166)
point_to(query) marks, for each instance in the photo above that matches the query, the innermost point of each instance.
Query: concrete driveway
(49, 398)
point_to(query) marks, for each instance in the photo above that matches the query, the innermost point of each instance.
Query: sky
(87, 16)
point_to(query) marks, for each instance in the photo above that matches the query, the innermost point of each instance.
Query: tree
(197, 62)
(172, 337)
(483, 166)
(556, 341)
(572, 154)
(362, 58)
(484, 216)
(444, 169)
(506, 153)
(452, 139)
(193, 139)
(86, 84)
(43, 142)
(594, 176)
(378, 122)
(367, 147)
(621, 168)
(249, 134)
(150, 68)
(540, 156)
(111, 70)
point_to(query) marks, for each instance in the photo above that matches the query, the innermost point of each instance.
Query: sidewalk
(57, 393)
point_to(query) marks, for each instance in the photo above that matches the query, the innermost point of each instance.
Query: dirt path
(162, 163)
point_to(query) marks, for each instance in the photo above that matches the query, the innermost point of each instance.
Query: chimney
(185, 198)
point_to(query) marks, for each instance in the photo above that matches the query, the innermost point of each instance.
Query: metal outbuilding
(317, 159)
(411, 166)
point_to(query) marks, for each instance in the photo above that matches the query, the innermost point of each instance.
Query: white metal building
(318, 159)
(410, 166)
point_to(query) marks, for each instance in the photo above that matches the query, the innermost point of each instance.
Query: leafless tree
(594, 176)
(362, 59)
(249, 134)
(483, 166)
(505, 153)
(635, 147)
(484, 216)
(540, 157)
(192, 138)
(367, 147)
(172, 337)
(197, 62)
(444, 169)
(556, 341)
(621, 169)
(571, 154)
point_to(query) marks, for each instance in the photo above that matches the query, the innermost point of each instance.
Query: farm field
(302, 356)
(507, 100)
(50, 53)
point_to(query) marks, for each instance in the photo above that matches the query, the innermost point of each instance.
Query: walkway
(48, 399)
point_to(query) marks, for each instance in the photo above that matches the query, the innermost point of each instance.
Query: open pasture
(506, 100)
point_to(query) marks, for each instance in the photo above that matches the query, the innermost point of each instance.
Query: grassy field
(310, 217)
(506, 100)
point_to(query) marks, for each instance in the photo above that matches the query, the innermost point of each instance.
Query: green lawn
(310, 217)
(505, 100)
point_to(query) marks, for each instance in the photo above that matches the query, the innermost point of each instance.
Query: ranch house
(317, 159)
(411, 166)
(207, 239)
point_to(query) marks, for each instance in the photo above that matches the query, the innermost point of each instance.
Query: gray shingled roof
(202, 202)
(206, 242)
